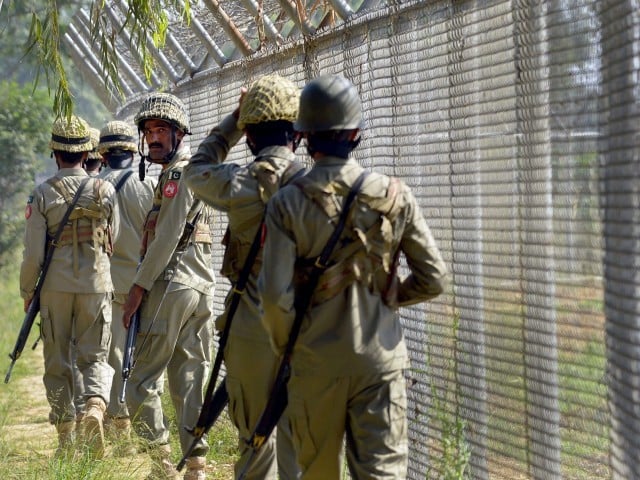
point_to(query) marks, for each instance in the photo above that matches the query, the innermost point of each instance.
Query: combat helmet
(117, 135)
(329, 102)
(70, 135)
(270, 98)
(163, 106)
(94, 134)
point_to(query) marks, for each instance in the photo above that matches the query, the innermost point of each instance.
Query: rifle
(34, 306)
(278, 399)
(186, 234)
(129, 350)
(214, 402)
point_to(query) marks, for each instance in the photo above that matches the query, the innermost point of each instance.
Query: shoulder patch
(170, 189)
(27, 211)
(175, 175)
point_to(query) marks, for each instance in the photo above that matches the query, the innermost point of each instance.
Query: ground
(28, 441)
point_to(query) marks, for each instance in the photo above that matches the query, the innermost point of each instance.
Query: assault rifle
(128, 359)
(129, 350)
(214, 402)
(279, 398)
(34, 306)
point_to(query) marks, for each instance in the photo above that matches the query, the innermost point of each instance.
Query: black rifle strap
(273, 410)
(320, 265)
(293, 171)
(65, 219)
(123, 178)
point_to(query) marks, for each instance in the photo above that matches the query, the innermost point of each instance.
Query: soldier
(176, 279)
(266, 114)
(93, 163)
(76, 295)
(117, 145)
(92, 166)
(347, 366)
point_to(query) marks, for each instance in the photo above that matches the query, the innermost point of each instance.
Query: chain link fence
(516, 124)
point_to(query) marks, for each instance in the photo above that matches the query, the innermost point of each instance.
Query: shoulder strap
(302, 301)
(66, 216)
(123, 178)
(293, 171)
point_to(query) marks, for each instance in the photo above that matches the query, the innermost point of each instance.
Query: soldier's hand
(243, 92)
(132, 304)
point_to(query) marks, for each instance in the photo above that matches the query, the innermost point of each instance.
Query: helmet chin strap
(166, 159)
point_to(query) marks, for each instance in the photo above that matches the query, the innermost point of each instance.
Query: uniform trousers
(369, 411)
(85, 320)
(116, 353)
(178, 340)
(251, 367)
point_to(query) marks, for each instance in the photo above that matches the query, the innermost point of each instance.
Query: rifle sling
(122, 179)
(266, 424)
(320, 265)
(63, 222)
(293, 171)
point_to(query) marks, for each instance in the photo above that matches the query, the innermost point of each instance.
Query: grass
(28, 441)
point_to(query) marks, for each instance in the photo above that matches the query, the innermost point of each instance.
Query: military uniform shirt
(354, 332)
(43, 213)
(135, 199)
(162, 260)
(234, 189)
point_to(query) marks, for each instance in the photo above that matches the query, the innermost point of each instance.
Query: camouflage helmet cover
(329, 102)
(117, 135)
(70, 136)
(163, 106)
(270, 98)
(94, 134)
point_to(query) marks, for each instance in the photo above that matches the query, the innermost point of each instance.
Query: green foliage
(452, 459)
(25, 123)
(44, 44)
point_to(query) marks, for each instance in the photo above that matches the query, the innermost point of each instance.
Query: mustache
(155, 144)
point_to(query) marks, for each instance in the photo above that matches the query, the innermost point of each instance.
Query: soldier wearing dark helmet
(75, 301)
(347, 366)
(176, 281)
(265, 116)
(117, 145)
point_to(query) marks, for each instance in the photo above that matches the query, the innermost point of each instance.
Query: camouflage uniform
(77, 292)
(347, 366)
(176, 273)
(242, 192)
(135, 199)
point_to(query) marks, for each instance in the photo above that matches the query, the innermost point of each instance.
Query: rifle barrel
(13, 362)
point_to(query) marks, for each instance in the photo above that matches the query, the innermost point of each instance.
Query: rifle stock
(129, 350)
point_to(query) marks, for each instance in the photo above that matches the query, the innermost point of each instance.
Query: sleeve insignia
(170, 189)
